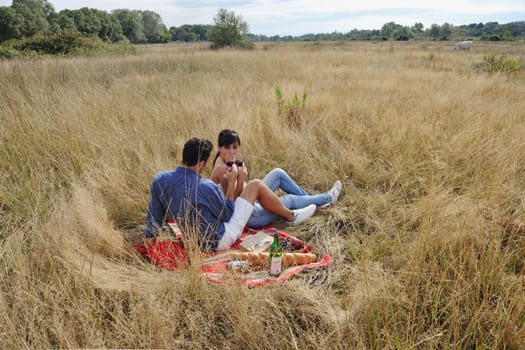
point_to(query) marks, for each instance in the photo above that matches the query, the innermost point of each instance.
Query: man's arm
(156, 214)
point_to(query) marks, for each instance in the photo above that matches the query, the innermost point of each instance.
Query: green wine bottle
(275, 256)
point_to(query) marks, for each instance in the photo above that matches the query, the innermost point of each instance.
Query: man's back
(182, 195)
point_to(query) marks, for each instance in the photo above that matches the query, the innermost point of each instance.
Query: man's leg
(233, 228)
(255, 190)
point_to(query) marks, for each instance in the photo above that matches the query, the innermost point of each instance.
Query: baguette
(263, 258)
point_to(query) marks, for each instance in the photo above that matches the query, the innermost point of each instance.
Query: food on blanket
(254, 258)
(289, 245)
(260, 242)
(241, 265)
(298, 258)
(262, 258)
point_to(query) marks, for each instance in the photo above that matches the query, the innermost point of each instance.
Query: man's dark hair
(196, 150)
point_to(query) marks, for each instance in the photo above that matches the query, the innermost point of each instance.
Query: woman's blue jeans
(295, 198)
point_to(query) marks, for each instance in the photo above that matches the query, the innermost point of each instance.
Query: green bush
(291, 110)
(64, 43)
(493, 64)
(8, 52)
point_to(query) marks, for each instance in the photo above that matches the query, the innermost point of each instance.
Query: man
(194, 202)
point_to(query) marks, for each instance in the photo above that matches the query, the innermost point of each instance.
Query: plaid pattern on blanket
(218, 267)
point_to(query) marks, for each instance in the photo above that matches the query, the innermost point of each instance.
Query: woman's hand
(243, 172)
(231, 173)
(231, 176)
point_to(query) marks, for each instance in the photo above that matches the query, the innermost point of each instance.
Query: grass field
(427, 240)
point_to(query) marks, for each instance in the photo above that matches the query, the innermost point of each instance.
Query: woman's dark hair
(227, 137)
(196, 150)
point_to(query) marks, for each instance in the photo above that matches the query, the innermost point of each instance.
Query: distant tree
(92, 22)
(201, 30)
(65, 20)
(445, 31)
(434, 31)
(9, 24)
(132, 26)
(180, 33)
(493, 28)
(417, 27)
(187, 32)
(51, 15)
(388, 29)
(191, 36)
(154, 29)
(87, 21)
(228, 30)
(354, 34)
(513, 30)
(110, 30)
(177, 33)
(166, 35)
(460, 33)
(31, 17)
(508, 34)
(402, 33)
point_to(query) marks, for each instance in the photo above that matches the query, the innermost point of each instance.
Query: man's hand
(148, 242)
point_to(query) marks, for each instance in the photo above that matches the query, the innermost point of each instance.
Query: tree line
(492, 31)
(26, 18)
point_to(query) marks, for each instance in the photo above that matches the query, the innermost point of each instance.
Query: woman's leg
(257, 192)
(278, 178)
(292, 201)
(261, 217)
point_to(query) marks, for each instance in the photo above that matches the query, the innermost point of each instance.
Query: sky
(297, 17)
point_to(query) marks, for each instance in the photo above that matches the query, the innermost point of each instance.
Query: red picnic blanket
(216, 267)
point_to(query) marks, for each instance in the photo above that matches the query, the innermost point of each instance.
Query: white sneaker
(335, 192)
(301, 215)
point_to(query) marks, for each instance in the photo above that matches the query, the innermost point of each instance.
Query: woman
(295, 198)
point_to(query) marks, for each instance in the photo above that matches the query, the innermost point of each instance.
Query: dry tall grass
(428, 239)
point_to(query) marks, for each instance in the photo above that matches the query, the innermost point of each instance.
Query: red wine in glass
(237, 162)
